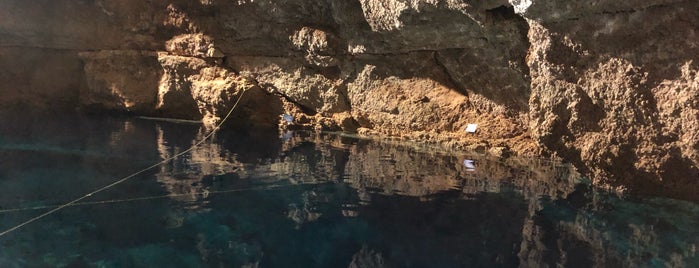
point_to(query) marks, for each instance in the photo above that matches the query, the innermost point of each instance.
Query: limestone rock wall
(615, 89)
(610, 86)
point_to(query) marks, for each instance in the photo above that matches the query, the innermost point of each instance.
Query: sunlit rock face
(615, 89)
(610, 86)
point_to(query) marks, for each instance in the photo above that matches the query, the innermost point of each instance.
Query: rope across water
(77, 200)
(152, 197)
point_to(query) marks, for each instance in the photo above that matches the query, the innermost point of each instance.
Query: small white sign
(469, 165)
(471, 128)
(288, 118)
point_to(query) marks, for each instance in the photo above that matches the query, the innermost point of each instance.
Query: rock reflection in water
(377, 169)
(367, 166)
(315, 200)
(596, 229)
(183, 176)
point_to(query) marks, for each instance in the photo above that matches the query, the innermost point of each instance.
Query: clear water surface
(300, 200)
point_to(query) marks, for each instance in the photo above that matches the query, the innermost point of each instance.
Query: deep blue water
(261, 199)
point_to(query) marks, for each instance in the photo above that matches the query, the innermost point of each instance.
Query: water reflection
(373, 168)
(183, 176)
(251, 199)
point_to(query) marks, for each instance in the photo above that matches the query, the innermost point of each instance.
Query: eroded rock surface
(618, 100)
(610, 86)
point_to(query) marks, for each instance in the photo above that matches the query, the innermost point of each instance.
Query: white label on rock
(471, 128)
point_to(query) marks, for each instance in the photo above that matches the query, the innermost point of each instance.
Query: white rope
(112, 201)
(74, 202)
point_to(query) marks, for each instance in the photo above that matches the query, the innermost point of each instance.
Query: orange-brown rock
(611, 86)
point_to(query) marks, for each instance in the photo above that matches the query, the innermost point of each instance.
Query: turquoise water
(260, 199)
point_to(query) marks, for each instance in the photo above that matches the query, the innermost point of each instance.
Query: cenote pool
(260, 199)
